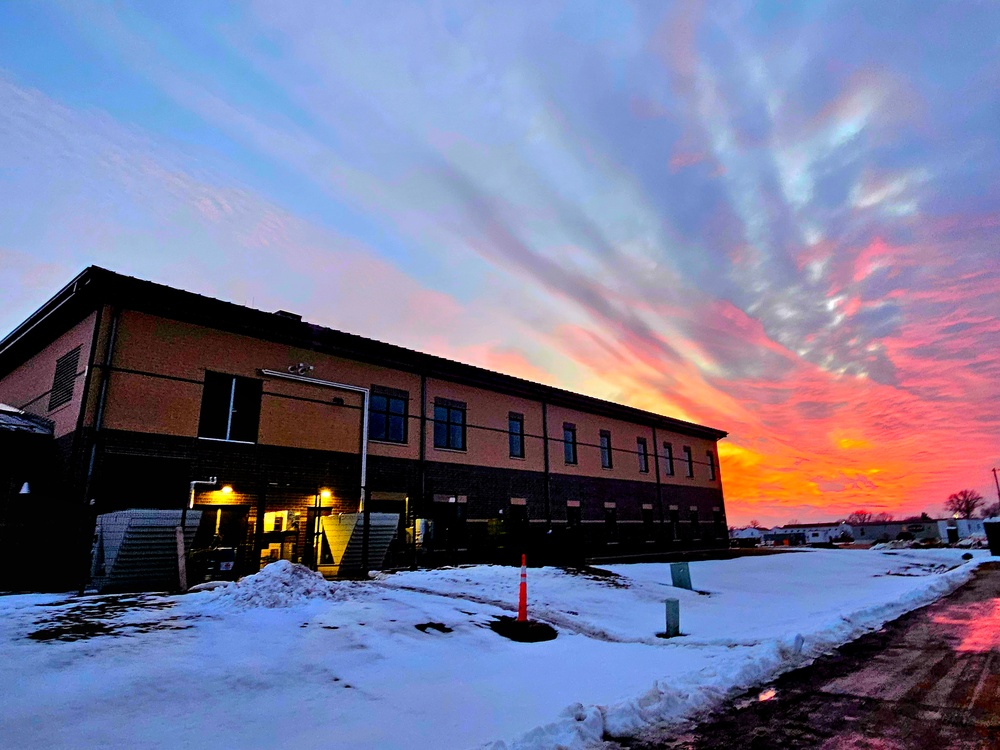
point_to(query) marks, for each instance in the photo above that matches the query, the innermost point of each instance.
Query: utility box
(680, 575)
(673, 619)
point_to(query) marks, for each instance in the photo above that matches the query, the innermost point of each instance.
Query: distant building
(748, 537)
(888, 531)
(818, 533)
(780, 537)
(748, 533)
(953, 530)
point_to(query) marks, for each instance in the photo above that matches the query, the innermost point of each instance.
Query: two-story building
(149, 389)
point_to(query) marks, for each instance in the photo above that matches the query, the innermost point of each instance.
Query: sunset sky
(779, 219)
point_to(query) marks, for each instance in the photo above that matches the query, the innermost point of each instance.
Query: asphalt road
(928, 681)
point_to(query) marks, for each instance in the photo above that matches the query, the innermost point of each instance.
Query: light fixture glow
(325, 494)
(227, 489)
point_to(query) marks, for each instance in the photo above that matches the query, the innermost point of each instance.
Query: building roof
(830, 524)
(15, 420)
(97, 286)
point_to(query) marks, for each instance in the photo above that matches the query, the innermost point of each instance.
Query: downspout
(659, 487)
(423, 461)
(98, 423)
(545, 457)
(87, 382)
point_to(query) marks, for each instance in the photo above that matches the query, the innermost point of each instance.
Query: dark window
(572, 516)
(449, 424)
(675, 524)
(387, 412)
(695, 525)
(649, 530)
(668, 457)
(569, 442)
(643, 455)
(688, 460)
(611, 524)
(230, 408)
(711, 465)
(605, 449)
(515, 426)
(65, 377)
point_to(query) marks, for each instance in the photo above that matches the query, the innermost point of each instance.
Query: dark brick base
(138, 470)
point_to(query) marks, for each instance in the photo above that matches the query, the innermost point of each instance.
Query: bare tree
(755, 524)
(989, 511)
(964, 503)
(882, 517)
(859, 516)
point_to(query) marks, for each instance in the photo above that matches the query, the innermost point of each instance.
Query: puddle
(599, 575)
(92, 618)
(438, 626)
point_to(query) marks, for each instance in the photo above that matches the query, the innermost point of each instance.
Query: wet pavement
(928, 681)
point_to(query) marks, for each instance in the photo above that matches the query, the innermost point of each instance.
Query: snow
(284, 658)
(280, 584)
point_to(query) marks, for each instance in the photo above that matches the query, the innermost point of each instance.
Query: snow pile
(895, 544)
(279, 584)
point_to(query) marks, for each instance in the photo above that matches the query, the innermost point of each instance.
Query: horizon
(777, 221)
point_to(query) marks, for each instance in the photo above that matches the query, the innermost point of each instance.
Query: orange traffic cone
(522, 603)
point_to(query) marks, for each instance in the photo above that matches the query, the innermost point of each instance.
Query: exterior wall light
(227, 489)
(325, 494)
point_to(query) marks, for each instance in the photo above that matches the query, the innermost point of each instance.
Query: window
(711, 465)
(605, 449)
(668, 457)
(515, 428)
(65, 377)
(569, 442)
(387, 412)
(695, 525)
(230, 408)
(573, 516)
(643, 455)
(449, 424)
(688, 460)
(675, 523)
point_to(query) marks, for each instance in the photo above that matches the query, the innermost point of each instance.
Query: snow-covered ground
(408, 661)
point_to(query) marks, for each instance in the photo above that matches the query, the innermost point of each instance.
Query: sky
(778, 219)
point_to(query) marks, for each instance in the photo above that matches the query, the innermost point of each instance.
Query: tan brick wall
(184, 352)
(699, 446)
(625, 461)
(486, 416)
(28, 386)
